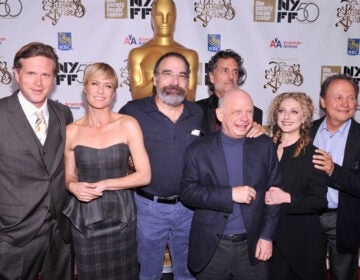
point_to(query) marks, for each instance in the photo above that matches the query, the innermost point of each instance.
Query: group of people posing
(112, 189)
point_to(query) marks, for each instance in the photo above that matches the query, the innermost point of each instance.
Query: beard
(171, 95)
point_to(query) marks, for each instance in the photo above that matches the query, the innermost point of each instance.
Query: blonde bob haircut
(101, 69)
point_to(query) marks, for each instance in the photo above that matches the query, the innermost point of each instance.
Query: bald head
(235, 112)
(232, 94)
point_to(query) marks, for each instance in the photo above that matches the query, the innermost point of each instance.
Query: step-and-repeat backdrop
(287, 45)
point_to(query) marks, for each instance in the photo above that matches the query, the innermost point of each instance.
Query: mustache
(179, 90)
(173, 88)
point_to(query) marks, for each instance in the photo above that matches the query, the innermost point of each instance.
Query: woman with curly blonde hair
(298, 247)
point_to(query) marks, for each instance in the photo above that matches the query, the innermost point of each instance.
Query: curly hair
(307, 108)
(225, 54)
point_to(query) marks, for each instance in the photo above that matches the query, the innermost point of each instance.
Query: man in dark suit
(34, 235)
(225, 72)
(337, 137)
(225, 179)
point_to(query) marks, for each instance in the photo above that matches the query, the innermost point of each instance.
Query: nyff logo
(140, 9)
(302, 11)
(71, 72)
(352, 71)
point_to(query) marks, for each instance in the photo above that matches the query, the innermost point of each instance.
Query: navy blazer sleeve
(205, 187)
(201, 187)
(263, 171)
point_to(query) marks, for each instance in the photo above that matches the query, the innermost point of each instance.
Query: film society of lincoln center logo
(116, 9)
(329, 70)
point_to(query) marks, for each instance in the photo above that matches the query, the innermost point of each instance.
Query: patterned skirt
(109, 254)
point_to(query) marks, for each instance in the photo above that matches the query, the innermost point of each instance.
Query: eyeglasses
(169, 75)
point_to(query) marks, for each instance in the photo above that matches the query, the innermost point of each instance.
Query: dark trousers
(342, 266)
(47, 254)
(231, 262)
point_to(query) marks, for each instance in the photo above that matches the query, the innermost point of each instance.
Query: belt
(330, 210)
(233, 237)
(159, 199)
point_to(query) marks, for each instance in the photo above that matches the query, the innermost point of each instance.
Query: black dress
(298, 246)
(104, 230)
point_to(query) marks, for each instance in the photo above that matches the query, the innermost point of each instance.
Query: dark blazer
(298, 235)
(346, 179)
(29, 185)
(205, 187)
(209, 106)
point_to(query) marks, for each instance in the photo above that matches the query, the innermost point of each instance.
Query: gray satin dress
(104, 230)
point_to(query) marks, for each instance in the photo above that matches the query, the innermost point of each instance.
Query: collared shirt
(165, 141)
(29, 109)
(334, 144)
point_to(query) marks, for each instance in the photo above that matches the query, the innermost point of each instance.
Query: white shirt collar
(29, 108)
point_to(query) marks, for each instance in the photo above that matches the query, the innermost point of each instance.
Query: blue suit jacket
(346, 179)
(205, 187)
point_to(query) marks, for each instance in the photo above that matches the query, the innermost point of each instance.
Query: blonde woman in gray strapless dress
(102, 208)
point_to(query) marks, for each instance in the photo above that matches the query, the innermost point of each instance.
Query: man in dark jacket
(225, 71)
(225, 179)
(337, 135)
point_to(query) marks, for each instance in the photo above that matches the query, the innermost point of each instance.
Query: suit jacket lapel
(219, 158)
(59, 150)
(351, 142)
(21, 125)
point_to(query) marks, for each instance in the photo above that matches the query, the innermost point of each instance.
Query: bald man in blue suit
(225, 179)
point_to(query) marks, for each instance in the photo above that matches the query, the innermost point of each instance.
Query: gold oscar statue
(142, 60)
